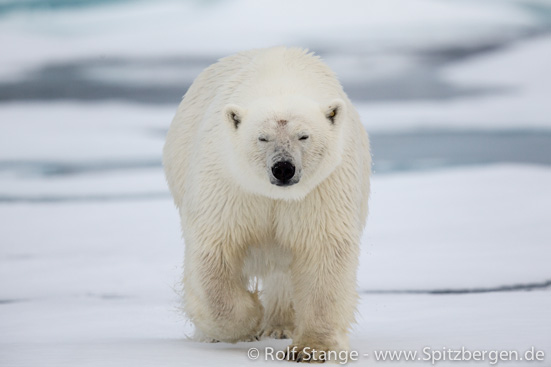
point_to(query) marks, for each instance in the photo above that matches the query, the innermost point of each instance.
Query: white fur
(301, 242)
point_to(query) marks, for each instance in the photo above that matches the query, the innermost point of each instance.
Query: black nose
(283, 171)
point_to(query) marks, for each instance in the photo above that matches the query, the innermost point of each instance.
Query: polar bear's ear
(234, 114)
(335, 111)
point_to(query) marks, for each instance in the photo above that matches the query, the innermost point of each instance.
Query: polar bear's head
(282, 148)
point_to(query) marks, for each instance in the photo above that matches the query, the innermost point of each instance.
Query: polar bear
(269, 167)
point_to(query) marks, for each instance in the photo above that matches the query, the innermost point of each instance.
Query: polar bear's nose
(283, 171)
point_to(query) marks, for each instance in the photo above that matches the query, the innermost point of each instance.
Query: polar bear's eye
(303, 137)
(235, 119)
(331, 115)
(262, 139)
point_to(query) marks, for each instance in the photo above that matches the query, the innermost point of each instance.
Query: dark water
(12, 6)
(437, 149)
(111, 78)
(75, 81)
(392, 152)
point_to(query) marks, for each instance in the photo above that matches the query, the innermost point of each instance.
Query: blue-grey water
(392, 152)
(11, 6)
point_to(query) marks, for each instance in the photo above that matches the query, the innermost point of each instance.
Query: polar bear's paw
(276, 332)
(201, 337)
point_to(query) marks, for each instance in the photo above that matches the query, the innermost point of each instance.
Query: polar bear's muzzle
(284, 173)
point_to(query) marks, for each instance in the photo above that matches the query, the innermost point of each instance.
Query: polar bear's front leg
(325, 297)
(216, 298)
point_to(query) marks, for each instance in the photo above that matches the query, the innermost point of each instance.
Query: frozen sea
(454, 94)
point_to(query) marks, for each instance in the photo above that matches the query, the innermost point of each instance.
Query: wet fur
(301, 243)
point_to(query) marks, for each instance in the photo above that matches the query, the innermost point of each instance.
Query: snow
(145, 332)
(504, 226)
(77, 131)
(91, 283)
(491, 218)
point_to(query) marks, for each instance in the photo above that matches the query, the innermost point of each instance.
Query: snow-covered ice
(77, 131)
(95, 283)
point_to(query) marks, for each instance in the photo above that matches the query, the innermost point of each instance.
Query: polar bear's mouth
(283, 184)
